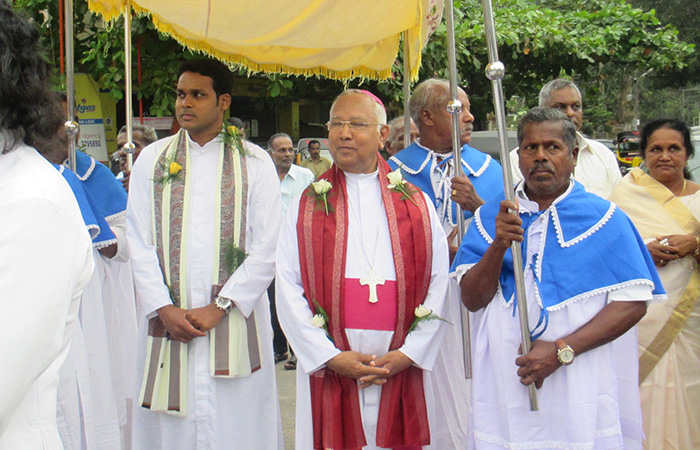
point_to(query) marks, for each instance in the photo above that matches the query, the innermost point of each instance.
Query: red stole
(337, 421)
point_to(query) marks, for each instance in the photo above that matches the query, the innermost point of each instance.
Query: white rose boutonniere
(318, 321)
(322, 187)
(398, 184)
(423, 314)
(320, 318)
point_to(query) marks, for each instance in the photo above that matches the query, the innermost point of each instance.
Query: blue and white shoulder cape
(589, 248)
(483, 171)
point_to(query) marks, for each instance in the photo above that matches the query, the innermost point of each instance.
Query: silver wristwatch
(224, 304)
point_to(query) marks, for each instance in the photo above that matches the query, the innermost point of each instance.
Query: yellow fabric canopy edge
(198, 46)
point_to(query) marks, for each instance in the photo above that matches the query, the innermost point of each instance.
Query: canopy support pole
(495, 71)
(128, 95)
(454, 107)
(72, 127)
(406, 92)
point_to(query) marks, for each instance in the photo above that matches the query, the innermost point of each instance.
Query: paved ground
(286, 386)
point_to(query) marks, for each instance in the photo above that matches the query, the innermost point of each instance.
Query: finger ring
(454, 191)
(664, 241)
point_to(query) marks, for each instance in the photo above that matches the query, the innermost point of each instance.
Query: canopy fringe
(242, 61)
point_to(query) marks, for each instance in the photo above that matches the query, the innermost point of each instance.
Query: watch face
(223, 302)
(566, 356)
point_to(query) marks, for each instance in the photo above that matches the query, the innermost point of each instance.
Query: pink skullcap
(372, 96)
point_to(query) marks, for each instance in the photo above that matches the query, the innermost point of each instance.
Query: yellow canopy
(335, 38)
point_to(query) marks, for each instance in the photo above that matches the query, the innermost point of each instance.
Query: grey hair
(379, 111)
(540, 115)
(394, 125)
(555, 85)
(275, 136)
(147, 133)
(428, 96)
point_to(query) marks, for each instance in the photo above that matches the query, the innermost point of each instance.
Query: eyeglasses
(338, 125)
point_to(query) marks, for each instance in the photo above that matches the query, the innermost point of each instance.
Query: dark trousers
(279, 341)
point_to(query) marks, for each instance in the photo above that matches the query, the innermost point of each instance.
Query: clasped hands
(669, 248)
(368, 369)
(183, 325)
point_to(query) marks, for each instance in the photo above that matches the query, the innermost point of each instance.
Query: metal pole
(406, 93)
(72, 128)
(129, 146)
(454, 107)
(494, 72)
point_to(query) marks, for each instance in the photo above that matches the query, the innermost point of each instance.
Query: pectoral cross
(372, 280)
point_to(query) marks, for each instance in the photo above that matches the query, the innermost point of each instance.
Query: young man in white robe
(588, 276)
(203, 219)
(360, 251)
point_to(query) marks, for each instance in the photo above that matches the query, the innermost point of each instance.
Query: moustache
(542, 167)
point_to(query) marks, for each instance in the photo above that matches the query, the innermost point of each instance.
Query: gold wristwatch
(565, 354)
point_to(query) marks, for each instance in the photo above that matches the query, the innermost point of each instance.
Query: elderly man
(204, 215)
(588, 277)
(142, 136)
(293, 180)
(348, 291)
(429, 164)
(596, 167)
(316, 163)
(395, 142)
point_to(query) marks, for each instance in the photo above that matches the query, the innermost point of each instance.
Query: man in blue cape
(428, 162)
(587, 277)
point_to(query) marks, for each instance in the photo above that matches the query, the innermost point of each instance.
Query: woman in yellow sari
(665, 207)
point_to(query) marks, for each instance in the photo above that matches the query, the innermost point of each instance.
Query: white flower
(322, 186)
(318, 321)
(422, 311)
(395, 178)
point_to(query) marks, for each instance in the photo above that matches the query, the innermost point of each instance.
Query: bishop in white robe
(370, 269)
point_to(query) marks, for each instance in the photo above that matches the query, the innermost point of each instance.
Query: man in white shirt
(362, 252)
(596, 166)
(293, 180)
(203, 217)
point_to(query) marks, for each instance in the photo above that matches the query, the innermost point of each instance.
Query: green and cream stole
(234, 342)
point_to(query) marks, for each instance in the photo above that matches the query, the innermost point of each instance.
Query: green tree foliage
(540, 40)
(99, 51)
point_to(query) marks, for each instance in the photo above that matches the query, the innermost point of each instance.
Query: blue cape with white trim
(100, 232)
(484, 172)
(589, 247)
(107, 192)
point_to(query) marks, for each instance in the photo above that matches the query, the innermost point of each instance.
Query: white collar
(530, 206)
